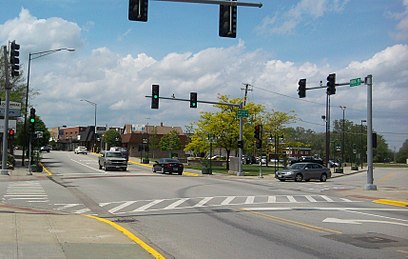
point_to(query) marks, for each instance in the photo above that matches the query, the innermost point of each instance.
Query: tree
(112, 138)
(402, 154)
(170, 142)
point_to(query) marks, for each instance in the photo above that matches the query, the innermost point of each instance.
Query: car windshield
(113, 154)
(296, 166)
(171, 161)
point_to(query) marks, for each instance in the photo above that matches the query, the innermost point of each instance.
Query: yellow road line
(130, 235)
(392, 202)
(293, 223)
(46, 170)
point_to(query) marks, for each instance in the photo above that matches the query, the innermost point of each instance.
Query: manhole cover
(375, 239)
(369, 240)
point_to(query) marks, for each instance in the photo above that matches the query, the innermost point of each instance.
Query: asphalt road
(226, 217)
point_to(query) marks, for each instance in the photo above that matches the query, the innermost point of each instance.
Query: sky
(116, 61)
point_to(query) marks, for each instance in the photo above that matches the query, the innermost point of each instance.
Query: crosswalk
(140, 206)
(28, 191)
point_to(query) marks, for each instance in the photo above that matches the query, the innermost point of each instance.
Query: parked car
(45, 149)
(112, 160)
(169, 165)
(303, 159)
(304, 171)
(333, 163)
(81, 150)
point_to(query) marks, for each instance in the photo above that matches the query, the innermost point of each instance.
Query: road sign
(12, 124)
(242, 113)
(355, 82)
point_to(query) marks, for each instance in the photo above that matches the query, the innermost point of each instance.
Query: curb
(392, 202)
(130, 235)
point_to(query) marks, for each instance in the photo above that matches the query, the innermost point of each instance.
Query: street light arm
(92, 103)
(40, 54)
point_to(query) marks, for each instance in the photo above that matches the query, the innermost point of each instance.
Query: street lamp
(32, 56)
(343, 108)
(361, 143)
(94, 105)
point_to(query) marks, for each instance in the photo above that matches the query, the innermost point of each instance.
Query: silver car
(304, 171)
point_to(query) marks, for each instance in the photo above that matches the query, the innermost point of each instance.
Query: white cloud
(40, 34)
(402, 26)
(286, 22)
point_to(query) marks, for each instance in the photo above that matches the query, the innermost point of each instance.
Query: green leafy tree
(402, 154)
(112, 138)
(170, 142)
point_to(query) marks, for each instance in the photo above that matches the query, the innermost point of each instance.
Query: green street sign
(242, 113)
(355, 82)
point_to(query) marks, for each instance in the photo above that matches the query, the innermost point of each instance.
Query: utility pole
(246, 91)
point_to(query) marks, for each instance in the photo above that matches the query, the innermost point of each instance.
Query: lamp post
(361, 143)
(343, 108)
(95, 106)
(32, 56)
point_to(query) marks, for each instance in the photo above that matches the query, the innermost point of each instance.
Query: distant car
(169, 165)
(333, 163)
(45, 149)
(112, 160)
(81, 150)
(304, 171)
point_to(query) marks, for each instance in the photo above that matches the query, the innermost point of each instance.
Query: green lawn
(250, 170)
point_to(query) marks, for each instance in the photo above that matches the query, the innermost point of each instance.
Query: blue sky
(117, 60)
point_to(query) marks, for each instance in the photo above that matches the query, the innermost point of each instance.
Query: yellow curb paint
(137, 163)
(191, 174)
(392, 202)
(130, 235)
(46, 170)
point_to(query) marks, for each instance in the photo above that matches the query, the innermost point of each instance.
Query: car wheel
(323, 178)
(106, 169)
(180, 173)
(100, 167)
(298, 178)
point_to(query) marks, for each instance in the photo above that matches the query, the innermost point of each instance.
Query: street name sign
(242, 113)
(355, 82)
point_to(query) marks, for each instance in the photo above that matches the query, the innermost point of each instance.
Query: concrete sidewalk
(31, 233)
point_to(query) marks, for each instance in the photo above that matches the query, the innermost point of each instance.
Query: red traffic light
(11, 132)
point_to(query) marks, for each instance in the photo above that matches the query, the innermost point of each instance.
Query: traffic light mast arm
(188, 100)
(217, 2)
(321, 87)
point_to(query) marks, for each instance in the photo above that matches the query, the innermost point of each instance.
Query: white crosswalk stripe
(28, 191)
(124, 207)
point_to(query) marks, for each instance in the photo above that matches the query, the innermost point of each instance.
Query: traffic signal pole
(4, 169)
(370, 177)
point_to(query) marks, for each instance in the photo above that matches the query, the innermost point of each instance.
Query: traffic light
(258, 132)
(259, 143)
(302, 88)
(138, 10)
(11, 134)
(155, 96)
(374, 136)
(193, 100)
(14, 60)
(331, 84)
(240, 144)
(228, 21)
(32, 120)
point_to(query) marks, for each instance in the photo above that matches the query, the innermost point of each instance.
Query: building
(144, 140)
